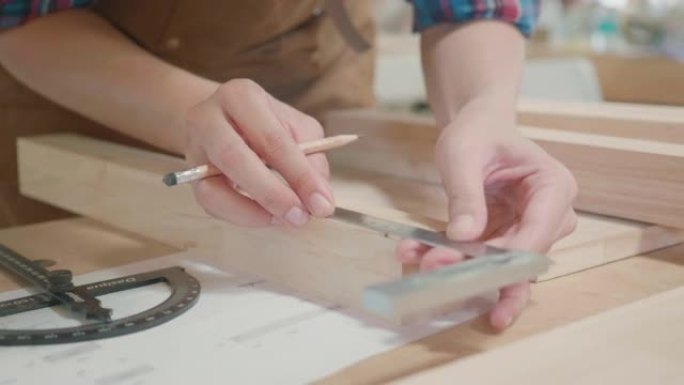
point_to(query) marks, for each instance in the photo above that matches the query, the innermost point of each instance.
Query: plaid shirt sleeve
(14, 13)
(521, 13)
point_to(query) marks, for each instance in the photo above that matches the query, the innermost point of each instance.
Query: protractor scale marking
(185, 290)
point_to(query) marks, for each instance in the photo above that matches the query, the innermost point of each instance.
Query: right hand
(241, 129)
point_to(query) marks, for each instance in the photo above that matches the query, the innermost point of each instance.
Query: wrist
(499, 110)
(195, 91)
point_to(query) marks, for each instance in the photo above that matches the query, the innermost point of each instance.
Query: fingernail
(320, 205)
(508, 321)
(461, 227)
(296, 216)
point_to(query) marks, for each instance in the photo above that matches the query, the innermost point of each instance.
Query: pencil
(208, 170)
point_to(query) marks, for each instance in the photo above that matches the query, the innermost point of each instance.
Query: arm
(78, 60)
(501, 187)
(96, 71)
(471, 67)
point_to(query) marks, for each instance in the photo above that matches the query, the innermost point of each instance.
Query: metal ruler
(488, 268)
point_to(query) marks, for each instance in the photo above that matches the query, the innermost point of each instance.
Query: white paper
(242, 331)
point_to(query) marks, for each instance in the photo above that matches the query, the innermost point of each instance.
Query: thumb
(464, 185)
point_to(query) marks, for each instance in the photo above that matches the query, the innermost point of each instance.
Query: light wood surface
(625, 177)
(122, 187)
(84, 246)
(636, 121)
(640, 79)
(554, 303)
(597, 239)
(640, 343)
(79, 244)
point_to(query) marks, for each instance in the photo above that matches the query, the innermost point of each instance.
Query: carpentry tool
(56, 287)
(489, 268)
(208, 170)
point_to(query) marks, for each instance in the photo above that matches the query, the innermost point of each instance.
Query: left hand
(502, 189)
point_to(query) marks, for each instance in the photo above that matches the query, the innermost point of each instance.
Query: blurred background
(584, 50)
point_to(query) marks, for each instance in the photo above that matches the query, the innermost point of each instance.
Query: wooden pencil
(208, 170)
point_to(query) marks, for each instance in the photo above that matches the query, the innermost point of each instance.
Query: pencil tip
(170, 179)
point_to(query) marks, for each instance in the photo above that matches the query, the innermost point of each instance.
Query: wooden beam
(596, 241)
(635, 121)
(629, 178)
(640, 79)
(122, 186)
(636, 344)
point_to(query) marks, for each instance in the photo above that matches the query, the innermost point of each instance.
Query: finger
(514, 298)
(303, 128)
(410, 251)
(228, 151)
(218, 199)
(544, 214)
(251, 109)
(569, 224)
(512, 301)
(438, 257)
(462, 178)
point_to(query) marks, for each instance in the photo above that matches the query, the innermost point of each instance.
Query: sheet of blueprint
(242, 331)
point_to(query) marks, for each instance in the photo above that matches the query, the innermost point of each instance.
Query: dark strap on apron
(341, 19)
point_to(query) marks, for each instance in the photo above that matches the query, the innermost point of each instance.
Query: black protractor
(82, 300)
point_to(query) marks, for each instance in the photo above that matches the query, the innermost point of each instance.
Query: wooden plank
(596, 241)
(88, 246)
(91, 247)
(81, 245)
(635, 344)
(640, 79)
(636, 121)
(630, 178)
(121, 186)
(554, 303)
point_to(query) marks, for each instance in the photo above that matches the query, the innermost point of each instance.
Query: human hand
(502, 189)
(241, 129)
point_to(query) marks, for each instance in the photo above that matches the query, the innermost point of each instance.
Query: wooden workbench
(83, 245)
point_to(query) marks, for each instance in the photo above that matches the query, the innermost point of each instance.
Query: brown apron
(293, 48)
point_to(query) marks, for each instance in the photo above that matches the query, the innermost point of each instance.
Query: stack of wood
(628, 161)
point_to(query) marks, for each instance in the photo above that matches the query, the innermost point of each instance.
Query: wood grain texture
(596, 241)
(635, 344)
(81, 245)
(84, 245)
(629, 178)
(635, 121)
(122, 186)
(640, 79)
(554, 303)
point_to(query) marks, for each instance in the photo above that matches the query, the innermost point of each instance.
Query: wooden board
(554, 303)
(640, 79)
(89, 246)
(81, 245)
(641, 343)
(636, 121)
(625, 177)
(596, 241)
(122, 186)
